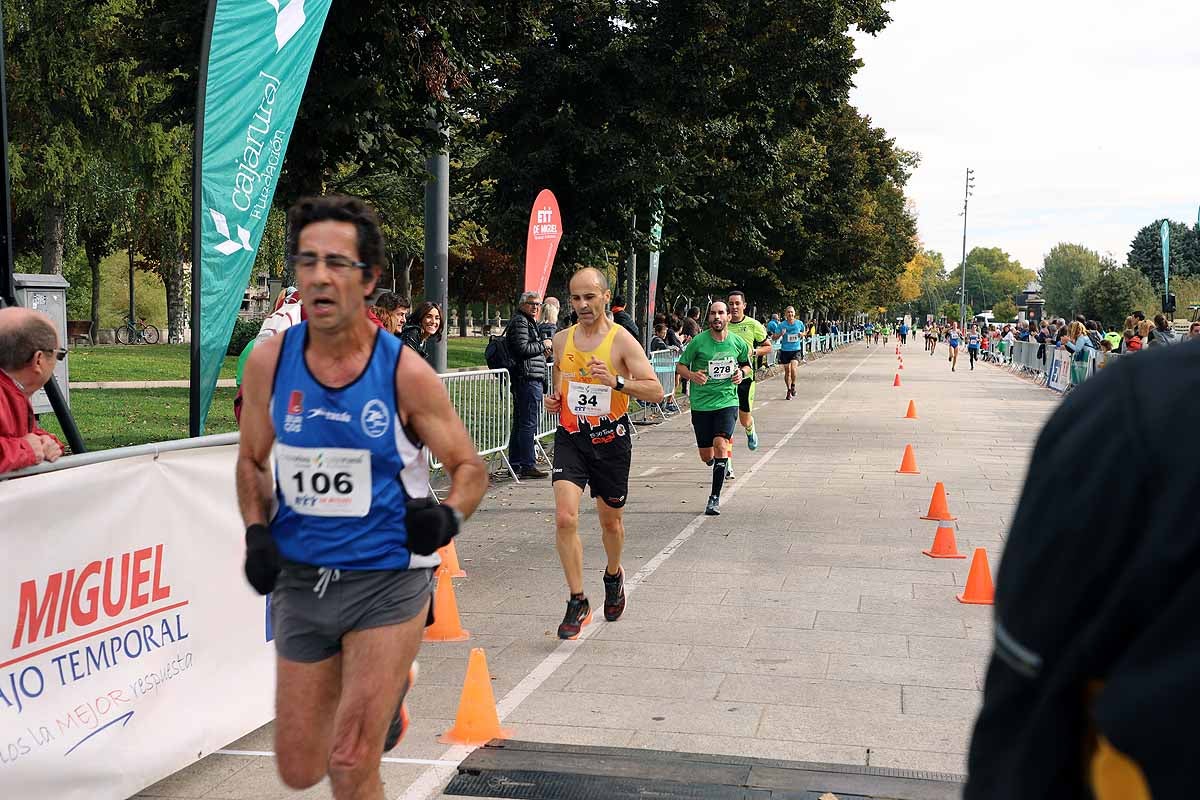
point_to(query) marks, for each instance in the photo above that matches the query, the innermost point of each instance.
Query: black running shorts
(745, 389)
(711, 424)
(787, 356)
(597, 457)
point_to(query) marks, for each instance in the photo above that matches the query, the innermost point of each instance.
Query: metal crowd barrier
(483, 401)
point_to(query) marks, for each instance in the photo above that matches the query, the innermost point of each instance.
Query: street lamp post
(962, 303)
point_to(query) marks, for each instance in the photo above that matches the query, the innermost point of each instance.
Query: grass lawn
(143, 362)
(465, 352)
(110, 418)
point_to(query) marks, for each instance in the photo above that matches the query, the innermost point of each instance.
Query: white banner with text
(130, 644)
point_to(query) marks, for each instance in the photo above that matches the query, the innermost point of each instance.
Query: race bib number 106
(325, 481)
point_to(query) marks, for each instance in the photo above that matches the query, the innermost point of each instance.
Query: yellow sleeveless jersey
(582, 395)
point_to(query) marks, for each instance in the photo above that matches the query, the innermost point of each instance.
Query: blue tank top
(792, 332)
(344, 465)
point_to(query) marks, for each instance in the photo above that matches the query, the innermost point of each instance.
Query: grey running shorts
(312, 609)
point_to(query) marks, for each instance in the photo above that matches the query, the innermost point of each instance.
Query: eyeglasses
(335, 263)
(533, 303)
(58, 354)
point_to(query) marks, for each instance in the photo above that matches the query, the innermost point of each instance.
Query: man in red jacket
(28, 352)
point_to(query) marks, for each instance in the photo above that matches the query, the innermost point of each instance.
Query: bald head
(23, 334)
(589, 277)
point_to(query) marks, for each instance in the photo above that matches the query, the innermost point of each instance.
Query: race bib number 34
(721, 368)
(589, 399)
(325, 482)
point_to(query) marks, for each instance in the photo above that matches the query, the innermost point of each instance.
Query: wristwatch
(620, 387)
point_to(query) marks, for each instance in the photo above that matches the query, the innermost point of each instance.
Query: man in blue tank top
(344, 534)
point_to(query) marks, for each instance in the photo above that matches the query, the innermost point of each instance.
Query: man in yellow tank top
(598, 366)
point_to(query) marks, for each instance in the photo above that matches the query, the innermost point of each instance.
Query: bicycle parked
(139, 332)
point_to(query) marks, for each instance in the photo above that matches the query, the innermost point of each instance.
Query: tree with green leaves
(1066, 268)
(1145, 252)
(992, 274)
(1115, 293)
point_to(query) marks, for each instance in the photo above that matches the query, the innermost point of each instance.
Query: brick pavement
(804, 623)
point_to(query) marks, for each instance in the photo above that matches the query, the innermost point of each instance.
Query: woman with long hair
(424, 327)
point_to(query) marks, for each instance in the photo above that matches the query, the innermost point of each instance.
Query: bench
(80, 329)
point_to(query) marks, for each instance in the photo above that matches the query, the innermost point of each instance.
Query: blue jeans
(527, 405)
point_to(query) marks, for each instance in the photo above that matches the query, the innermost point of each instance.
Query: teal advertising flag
(1165, 232)
(258, 58)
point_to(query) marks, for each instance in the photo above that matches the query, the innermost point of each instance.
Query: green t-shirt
(750, 330)
(705, 354)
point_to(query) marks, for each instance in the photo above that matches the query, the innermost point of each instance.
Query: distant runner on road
(754, 334)
(716, 363)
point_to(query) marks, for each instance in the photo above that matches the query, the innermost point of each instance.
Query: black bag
(496, 354)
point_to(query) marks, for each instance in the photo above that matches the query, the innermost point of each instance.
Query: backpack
(496, 354)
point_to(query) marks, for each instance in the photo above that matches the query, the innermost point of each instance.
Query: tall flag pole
(1165, 233)
(253, 69)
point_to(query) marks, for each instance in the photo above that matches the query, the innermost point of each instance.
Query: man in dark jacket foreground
(1092, 691)
(528, 352)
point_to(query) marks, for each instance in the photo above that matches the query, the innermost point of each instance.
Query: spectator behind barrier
(1161, 334)
(28, 353)
(623, 318)
(1194, 330)
(528, 351)
(424, 328)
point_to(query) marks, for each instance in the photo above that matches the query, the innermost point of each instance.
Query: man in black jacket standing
(624, 319)
(528, 352)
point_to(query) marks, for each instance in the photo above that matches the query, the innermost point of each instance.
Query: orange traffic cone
(912, 410)
(944, 545)
(446, 627)
(900, 366)
(897, 349)
(908, 464)
(897, 381)
(477, 721)
(938, 510)
(979, 589)
(450, 566)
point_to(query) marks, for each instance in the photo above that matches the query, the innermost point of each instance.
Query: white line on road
(649, 472)
(435, 778)
(425, 762)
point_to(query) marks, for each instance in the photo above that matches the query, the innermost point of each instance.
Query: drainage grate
(540, 771)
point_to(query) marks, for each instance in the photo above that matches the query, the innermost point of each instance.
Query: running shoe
(713, 509)
(752, 439)
(729, 470)
(399, 724)
(614, 595)
(579, 613)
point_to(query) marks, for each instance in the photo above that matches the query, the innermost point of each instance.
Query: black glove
(262, 559)
(430, 525)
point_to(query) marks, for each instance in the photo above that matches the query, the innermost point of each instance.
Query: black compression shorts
(711, 424)
(598, 457)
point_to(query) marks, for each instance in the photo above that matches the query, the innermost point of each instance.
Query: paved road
(804, 623)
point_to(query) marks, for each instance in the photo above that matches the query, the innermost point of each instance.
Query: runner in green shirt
(754, 334)
(716, 364)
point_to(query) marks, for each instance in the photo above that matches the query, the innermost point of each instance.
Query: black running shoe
(579, 613)
(614, 595)
(399, 724)
(713, 509)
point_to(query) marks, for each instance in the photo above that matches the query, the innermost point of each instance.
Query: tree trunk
(176, 299)
(94, 264)
(462, 315)
(403, 279)
(53, 222)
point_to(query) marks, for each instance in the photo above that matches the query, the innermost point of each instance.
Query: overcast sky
(1080, 119)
